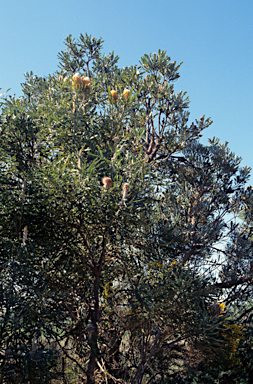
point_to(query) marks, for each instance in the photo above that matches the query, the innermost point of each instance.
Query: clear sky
(213, 38)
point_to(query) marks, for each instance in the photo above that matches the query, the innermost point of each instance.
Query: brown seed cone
(107, 182)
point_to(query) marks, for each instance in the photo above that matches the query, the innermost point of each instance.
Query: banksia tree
(112, 280)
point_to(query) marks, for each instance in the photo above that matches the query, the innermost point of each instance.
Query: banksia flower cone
(107, 182)
(22, 195)
(76, 81)
(86, 83)
(126, 93)
(125, 190)
(114, 94)
(25, 234)
(79, 162)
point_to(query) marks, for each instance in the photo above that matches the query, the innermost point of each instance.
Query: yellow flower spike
(114, 94)
(76, 81)
(126, 93)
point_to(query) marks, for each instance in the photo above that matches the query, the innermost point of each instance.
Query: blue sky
(213, 38)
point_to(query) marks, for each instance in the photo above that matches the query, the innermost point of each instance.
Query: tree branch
(234, 282)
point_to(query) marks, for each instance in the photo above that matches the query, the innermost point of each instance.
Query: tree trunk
(91, 370)
(93, 334)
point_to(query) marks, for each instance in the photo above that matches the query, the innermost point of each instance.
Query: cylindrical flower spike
(114, 94)
(79, 162)
(125, 189)
(107, 182)
(76, 81)
(25, 234)
(86, 83)
(22, 195)
(126, 93)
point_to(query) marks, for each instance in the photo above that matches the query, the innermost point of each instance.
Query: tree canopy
(126, 243)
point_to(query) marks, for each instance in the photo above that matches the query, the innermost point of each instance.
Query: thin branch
(234, 282)
(141, 369)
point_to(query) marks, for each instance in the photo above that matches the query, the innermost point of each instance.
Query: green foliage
(112, 220)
